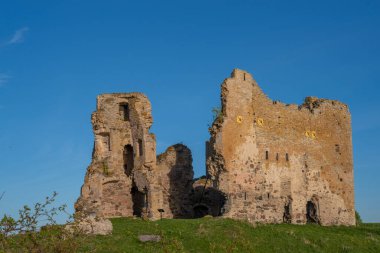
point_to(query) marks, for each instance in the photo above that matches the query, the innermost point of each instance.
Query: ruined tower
(124, 178)
(278, 162)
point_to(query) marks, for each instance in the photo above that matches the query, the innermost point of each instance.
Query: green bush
(216, 113)
(36, 230)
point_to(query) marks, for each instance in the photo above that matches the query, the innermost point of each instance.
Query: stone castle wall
(281, 163)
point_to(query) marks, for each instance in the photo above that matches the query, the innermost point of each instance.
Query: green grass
(225, 235)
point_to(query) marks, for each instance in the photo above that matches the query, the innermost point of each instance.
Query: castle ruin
(266, 161)
(125, 177)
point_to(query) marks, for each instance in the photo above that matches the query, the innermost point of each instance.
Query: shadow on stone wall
(180, 182)
(206, 199)
(186, 197)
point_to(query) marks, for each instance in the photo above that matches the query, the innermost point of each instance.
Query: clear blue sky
(57, 56)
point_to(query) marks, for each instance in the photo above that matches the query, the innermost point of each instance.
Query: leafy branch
(36, 230)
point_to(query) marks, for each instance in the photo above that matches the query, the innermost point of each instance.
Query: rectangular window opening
(124, 111)
(266, 155)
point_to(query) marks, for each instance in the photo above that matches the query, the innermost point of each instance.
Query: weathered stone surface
(92, 226)
(149, 238)
(281, 163)
(124, 178)
(176, 174)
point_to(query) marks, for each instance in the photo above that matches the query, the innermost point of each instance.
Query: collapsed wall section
(281, 163)
(176, 175)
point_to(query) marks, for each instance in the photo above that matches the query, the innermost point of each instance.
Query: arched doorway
(312, 213)
(128, 159)
(139, 201)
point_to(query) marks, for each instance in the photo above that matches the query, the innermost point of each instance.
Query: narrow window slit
(109, 142)
(140, 147)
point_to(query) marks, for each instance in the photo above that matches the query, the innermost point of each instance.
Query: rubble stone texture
(92, 226)
(281, 163)
(176, 174)
(266, 162)
(124, 178)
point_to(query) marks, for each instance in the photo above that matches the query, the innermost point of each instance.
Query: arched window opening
(287, 157)
(311, 213)
(128, 159)
(266, 155)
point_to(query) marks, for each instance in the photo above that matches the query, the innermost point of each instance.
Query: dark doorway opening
(311, 213)
(138, 199)
(287, 218)
(200, 211)
(208, 200)
(128, 159)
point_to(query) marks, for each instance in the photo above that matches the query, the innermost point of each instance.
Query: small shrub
(217, 113)
(36, 230)
(105, 169)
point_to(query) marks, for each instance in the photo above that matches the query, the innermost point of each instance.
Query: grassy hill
(225, 235)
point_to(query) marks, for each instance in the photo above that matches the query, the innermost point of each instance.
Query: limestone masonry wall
(266, 161)
(281, 163)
